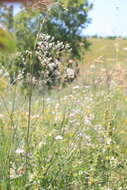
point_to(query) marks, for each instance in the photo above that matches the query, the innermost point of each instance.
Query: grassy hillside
(73, 138)
(105, 57)
(103, 49)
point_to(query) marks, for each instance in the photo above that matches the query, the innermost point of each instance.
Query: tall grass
(69, 139)
(77, 140)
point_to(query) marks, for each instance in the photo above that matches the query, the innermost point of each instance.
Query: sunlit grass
(77, 136)
(104, 49)
(71, 138)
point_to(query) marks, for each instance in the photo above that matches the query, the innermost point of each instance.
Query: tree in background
(7, 40)
(6, 16)
(67, 21)
(26, 26)
(63, 20)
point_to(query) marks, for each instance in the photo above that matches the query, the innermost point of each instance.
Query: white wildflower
(87, 121)
(76, 87)
(59, 137)
(36, 116)
(65, 98)
(19, 151)
(125, 48)
(1, 116)
(92, 66)
(70, 73)
(72, 114)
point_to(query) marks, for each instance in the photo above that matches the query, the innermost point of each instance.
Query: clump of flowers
(48, 62)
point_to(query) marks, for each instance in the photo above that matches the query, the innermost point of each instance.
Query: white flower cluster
(49, 53)
(51, 66)
(70, 73)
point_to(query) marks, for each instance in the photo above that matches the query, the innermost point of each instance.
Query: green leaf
(67, 2)
(7, 42)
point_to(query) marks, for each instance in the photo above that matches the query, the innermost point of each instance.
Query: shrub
(48, 63)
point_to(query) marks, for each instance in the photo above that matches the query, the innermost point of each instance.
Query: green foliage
(66, 3)
(78, 139)
(67, 23)
(6, 16)
(73, 139)
(28, 23)
(47, 64)
(7, 42)
(26, 26)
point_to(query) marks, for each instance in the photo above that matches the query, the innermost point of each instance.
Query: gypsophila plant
(50, 65)
(50, 56)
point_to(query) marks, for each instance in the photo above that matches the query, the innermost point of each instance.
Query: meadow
(73, 138)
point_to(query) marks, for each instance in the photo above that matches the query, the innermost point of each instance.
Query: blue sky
(106, 19)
